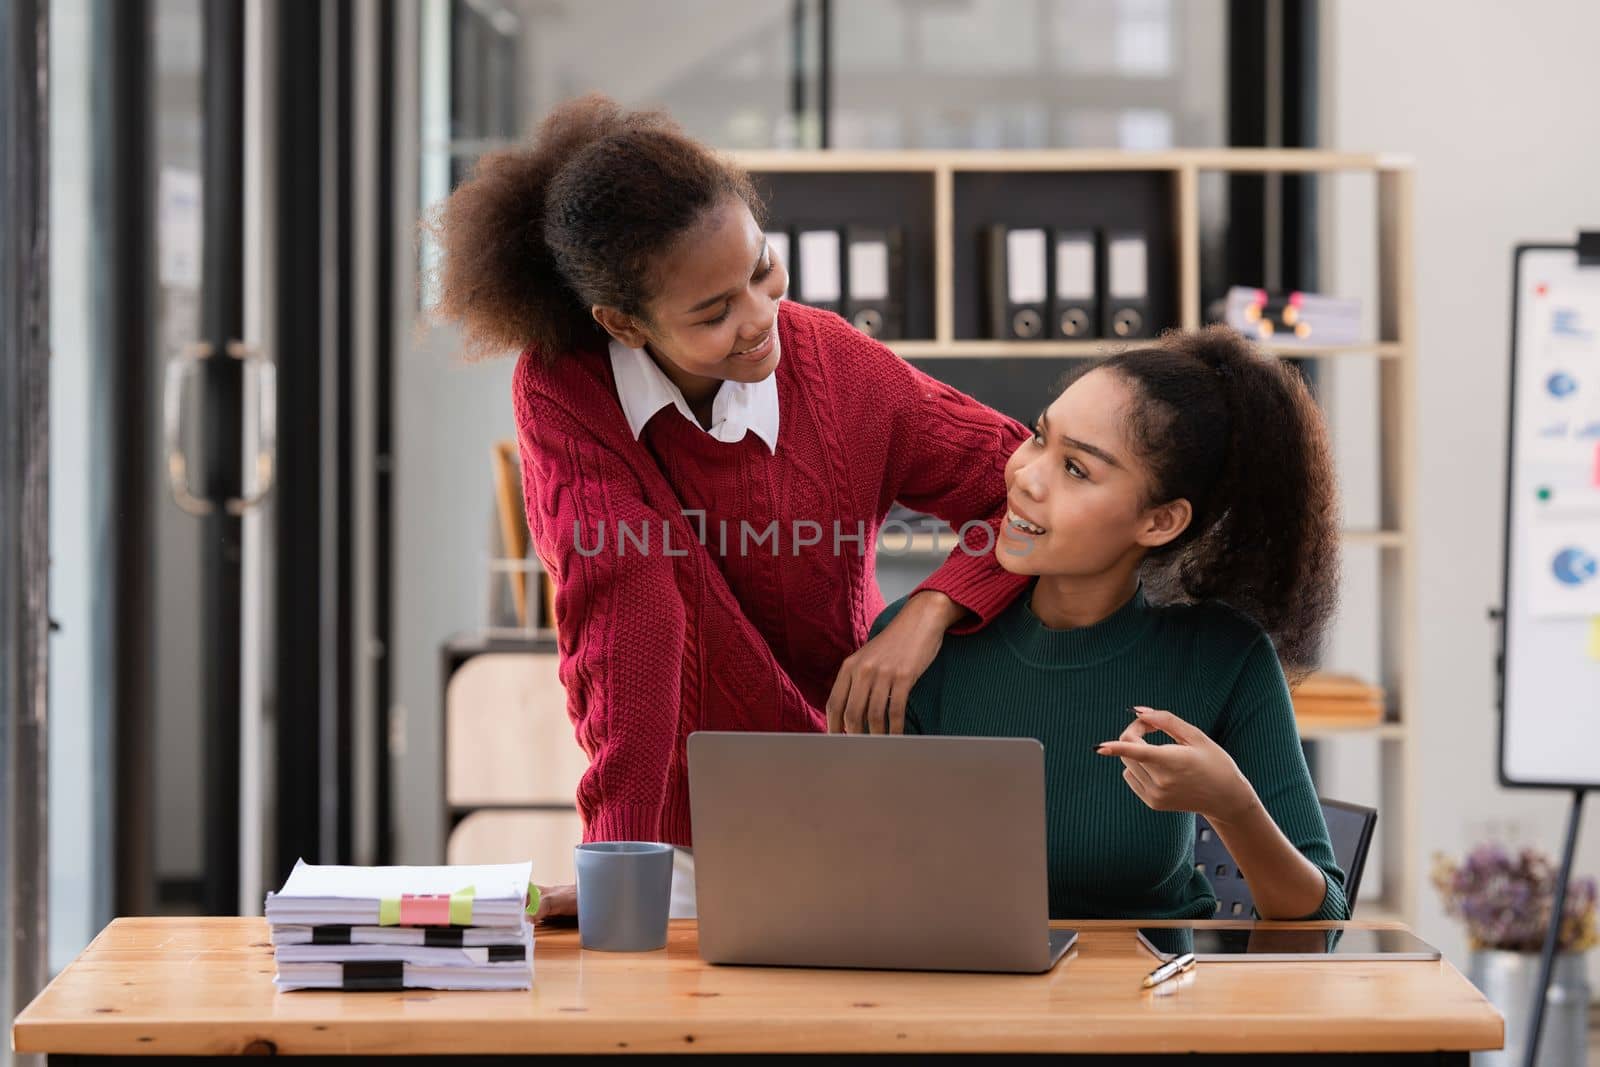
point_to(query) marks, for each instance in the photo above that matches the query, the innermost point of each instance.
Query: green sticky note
(389, 911)
(461, 906)
(533, 899)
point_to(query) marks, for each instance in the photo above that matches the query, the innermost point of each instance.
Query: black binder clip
(1589, 248)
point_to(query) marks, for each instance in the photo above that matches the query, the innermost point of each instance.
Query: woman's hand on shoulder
(1192, 774)
(869, 696)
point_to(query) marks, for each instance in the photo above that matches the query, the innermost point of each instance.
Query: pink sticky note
(425, 909)
(1594, 468)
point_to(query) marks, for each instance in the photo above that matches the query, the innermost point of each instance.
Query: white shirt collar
(739, 407)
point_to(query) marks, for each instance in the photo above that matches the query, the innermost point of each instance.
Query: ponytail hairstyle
(542, 232)
(1240, 437)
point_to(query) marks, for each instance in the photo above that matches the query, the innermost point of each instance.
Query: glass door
(211, 478)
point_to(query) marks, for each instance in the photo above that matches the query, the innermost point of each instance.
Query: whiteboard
(1550, 677)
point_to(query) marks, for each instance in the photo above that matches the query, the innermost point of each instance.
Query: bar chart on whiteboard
(1562, 460)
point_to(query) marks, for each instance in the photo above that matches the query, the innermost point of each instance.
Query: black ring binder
(869, 321)
(1127, 322)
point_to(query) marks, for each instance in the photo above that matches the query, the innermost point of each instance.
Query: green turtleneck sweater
(1110, 856)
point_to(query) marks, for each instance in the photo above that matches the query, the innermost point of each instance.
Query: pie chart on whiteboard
(1561, 385)
(1574, 566)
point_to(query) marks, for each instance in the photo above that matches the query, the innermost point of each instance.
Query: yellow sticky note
(1594, 638)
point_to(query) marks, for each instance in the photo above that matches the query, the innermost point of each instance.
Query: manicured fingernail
(1132, 710)
(1140, 710)
(1098, 747)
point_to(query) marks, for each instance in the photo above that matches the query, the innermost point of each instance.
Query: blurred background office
(273, 522)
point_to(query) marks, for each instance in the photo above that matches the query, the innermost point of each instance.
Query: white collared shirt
(739, 407)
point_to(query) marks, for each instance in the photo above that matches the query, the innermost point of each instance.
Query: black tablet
(1269, 941)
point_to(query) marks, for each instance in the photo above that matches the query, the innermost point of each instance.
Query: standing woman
(705, 467)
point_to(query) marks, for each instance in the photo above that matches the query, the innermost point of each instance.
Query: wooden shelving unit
(939, 179)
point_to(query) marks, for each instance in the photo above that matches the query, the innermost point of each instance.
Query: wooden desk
(203, 987)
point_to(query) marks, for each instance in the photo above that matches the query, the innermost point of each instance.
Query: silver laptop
(907, 853)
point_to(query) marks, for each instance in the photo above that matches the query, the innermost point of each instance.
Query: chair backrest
(1350, 829)
(1212, 859)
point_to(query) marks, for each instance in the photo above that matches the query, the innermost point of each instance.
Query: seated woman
(1177, 508)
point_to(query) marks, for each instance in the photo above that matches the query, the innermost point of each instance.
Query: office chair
(1349, 829)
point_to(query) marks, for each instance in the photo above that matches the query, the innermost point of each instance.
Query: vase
(1508, 980)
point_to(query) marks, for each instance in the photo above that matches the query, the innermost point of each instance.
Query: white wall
(451, 413)
(1494, 102)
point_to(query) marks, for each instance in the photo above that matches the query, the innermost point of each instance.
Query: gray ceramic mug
(624, 894)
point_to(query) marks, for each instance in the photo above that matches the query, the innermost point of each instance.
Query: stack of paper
(1335, 700)
(403, 927)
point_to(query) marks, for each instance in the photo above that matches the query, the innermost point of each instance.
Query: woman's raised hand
(1193, 774)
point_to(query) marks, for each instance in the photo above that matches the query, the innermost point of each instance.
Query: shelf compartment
(832, 200)
(1144, 201)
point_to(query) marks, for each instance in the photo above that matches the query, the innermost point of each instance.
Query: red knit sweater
(662, 633)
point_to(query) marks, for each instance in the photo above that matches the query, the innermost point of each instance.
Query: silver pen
(1171, 969)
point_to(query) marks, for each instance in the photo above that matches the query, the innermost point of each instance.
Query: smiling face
(714, 311)
(1077, 493)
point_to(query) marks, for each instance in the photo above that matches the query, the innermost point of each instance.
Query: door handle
(266, 445)
(265, 451)
(172, 419)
